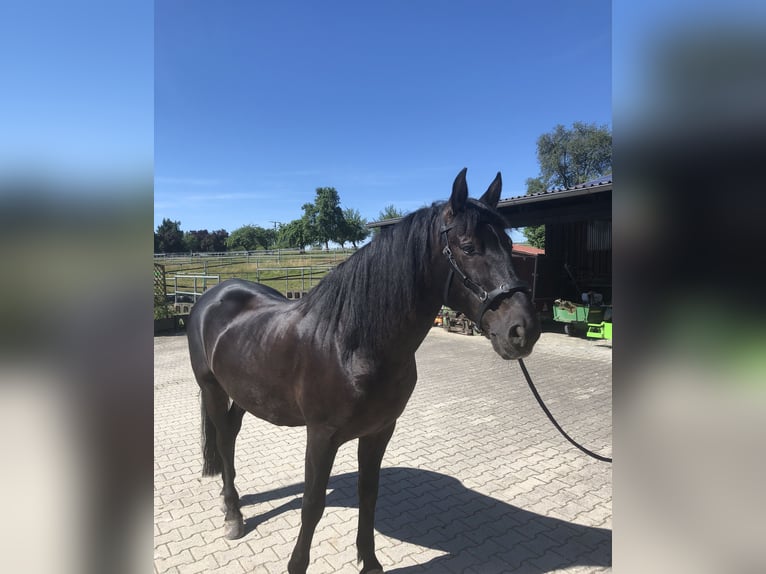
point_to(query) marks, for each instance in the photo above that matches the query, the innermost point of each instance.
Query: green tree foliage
(309, 223)
(294, 234)
(355, 227)
(169, 238)
(535, 185)
(535, 234)
(250, 238)
(192, 239)
(329, 222)
(390, 212)
(569, 157)
(216, 241)
(205, 241)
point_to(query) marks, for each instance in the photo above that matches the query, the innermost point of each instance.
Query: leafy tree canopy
(250, 238)
(169, 238)
(390, 212)
(205, 241)
(355, 227)
(329, 220)
(568, 157)
(294, 234)
(322, 222)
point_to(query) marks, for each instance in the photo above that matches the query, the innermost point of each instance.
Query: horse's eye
(468, 248)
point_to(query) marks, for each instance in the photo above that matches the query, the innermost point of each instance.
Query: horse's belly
(273, 405)
(264, 388)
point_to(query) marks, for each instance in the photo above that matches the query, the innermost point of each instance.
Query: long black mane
(384, 278)
(379, 282)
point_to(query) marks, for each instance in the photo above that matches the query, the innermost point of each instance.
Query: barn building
(578, 239)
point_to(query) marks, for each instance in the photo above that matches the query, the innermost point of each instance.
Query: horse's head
(481, 281)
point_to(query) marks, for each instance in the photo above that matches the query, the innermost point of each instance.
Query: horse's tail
(212, 461)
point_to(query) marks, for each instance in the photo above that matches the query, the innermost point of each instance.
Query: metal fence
(276, 256)
(192, 285)
(292, 272)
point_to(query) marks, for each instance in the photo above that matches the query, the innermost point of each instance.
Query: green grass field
(284, 271)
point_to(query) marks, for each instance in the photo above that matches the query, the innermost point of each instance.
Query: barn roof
(518, 204)
(598, 185)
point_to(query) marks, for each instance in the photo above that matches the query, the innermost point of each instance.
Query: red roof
(527, 250)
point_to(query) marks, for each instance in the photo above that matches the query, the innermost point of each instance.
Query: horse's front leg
(370, 454)
(320, 455)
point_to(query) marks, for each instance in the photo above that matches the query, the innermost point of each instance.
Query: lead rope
(550, 416)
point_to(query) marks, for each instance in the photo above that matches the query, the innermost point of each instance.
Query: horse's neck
(408, 334)
(405, 332)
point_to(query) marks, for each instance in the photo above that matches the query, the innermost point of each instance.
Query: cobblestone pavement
(475, 478)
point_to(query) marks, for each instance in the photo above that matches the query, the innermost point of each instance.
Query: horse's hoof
(234, 529)
(376, 571)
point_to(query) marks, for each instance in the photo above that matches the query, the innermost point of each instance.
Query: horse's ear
(459, 195)
(492, 195)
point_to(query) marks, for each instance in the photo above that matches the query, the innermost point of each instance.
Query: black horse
(327, 362)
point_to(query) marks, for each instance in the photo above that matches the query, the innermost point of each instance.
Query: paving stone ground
(475, 479)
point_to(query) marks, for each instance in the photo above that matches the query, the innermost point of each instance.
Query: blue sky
(77, 89)
(259, 103)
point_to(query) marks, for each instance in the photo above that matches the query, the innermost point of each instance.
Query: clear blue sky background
(259, 103)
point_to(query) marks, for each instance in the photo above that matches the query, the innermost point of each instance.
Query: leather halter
(487, 298)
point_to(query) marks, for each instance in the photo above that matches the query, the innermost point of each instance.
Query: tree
(250, 238)
(569, 157)
(214, 242)
(329, 216)
(169, 238)
(535, 185)
(193, 239)
(355, 227)
(535, 234)
(294, 234)
(205, 241)
(390, 212)
(308, 225)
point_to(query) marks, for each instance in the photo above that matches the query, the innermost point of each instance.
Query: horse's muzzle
(518, 342)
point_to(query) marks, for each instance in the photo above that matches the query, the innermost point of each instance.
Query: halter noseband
(486, 297)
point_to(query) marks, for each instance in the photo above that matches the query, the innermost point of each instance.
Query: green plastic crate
(601, 330)
(566, 315)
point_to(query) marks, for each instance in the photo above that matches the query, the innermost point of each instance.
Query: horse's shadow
(436, 511)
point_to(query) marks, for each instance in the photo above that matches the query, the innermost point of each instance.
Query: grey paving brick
(475, 478)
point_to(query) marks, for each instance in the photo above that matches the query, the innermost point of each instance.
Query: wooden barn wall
(587, 247)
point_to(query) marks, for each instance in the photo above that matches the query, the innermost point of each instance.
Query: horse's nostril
(517, 333)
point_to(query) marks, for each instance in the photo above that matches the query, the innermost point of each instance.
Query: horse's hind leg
(320, 455)
(234, 417)
(370, 455)
(226, 422)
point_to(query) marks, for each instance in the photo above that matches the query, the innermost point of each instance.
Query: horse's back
(218, 308)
